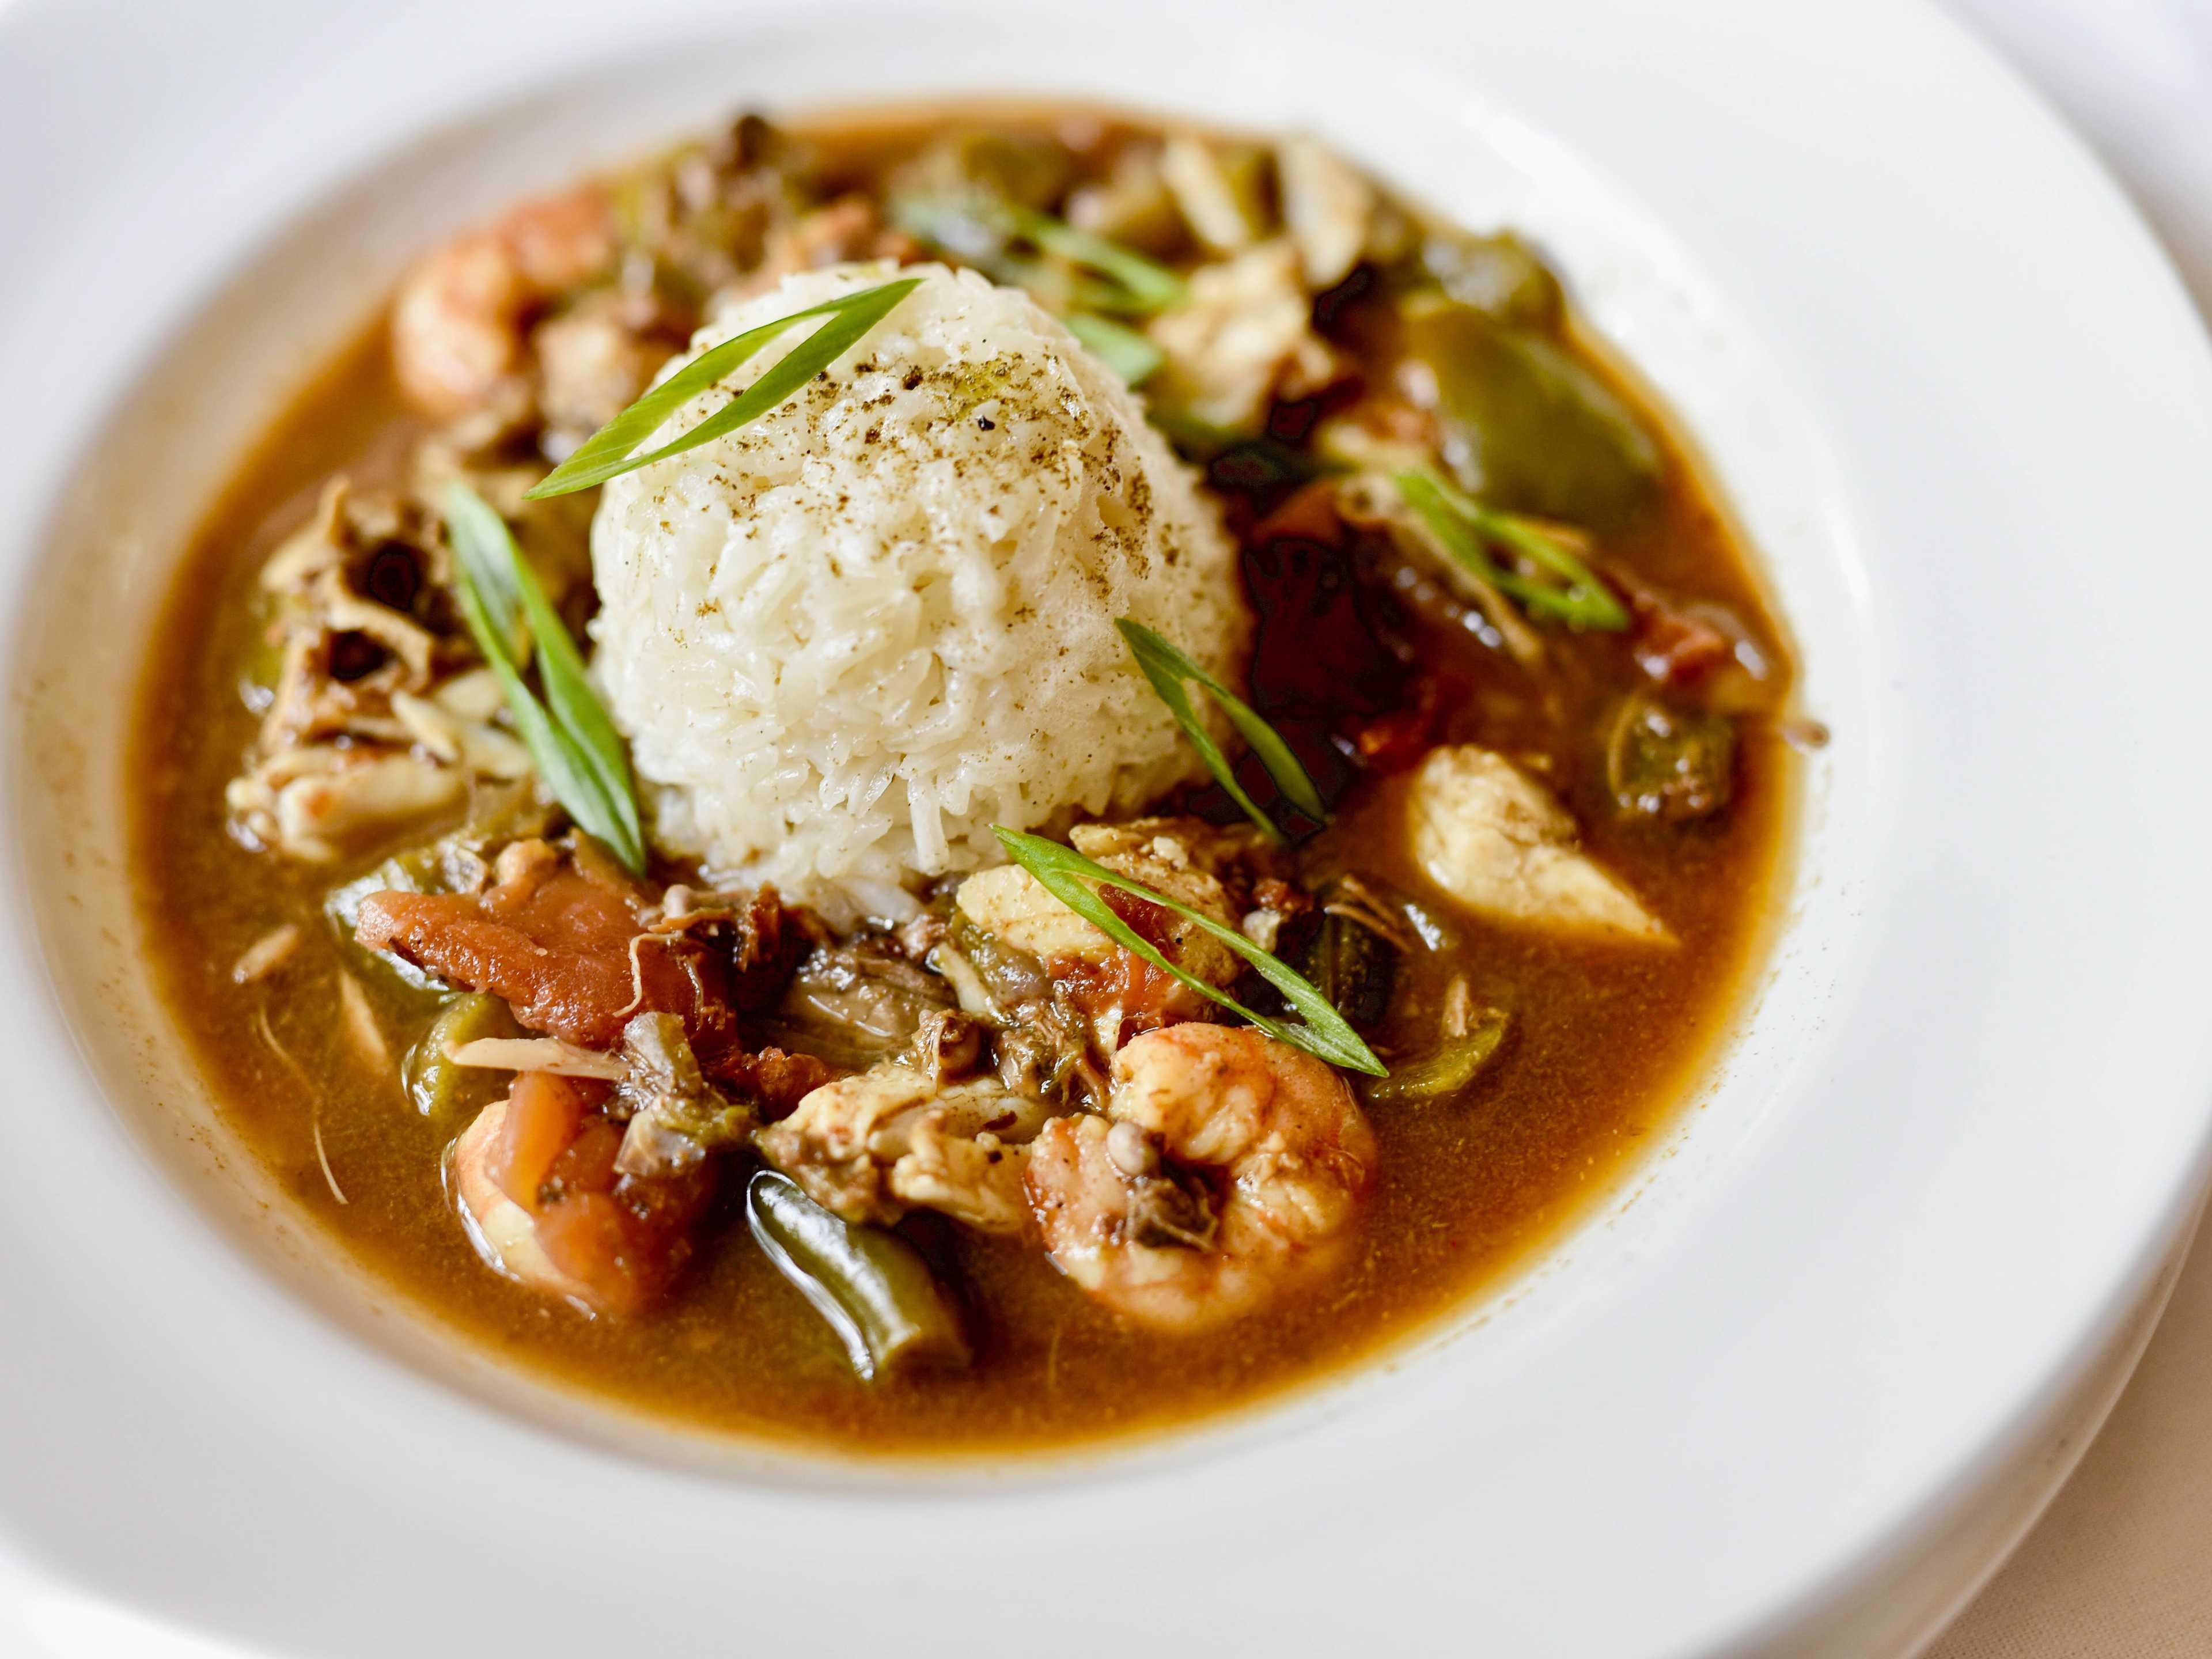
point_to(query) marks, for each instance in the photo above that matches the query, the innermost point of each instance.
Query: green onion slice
(977, 229)
(606, 454)
(1067, 875)
(574, 744)
(1463, 525)
(1170, 669)
(1121, 347)
(1145, 286)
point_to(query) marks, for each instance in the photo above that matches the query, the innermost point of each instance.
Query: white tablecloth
(2121, 1566)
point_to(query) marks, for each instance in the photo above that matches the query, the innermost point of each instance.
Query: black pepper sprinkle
(986, 423)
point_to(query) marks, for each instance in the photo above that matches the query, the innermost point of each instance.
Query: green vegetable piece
(1132, 282)
(1067, 875)
(1461, 526)
(1169, 669)
(666, 1086)
(988, 233)
(1525, 425)
(1354, 967)
(1669, 764)
(440, 1089)
(607, 452)
(1130, 355)
(1446, 1070)
(574, 746)
(1499, 275)
(873, 1288)
(1015, 166)
(503, 813)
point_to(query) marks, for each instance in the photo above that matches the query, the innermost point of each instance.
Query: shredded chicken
(859, 1002)
(378, 715)
(1498, 840)
(871, 1147)
(1242, 336)
(1223, 873)
(320, 803)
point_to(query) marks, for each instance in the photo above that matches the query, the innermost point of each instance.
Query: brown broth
(1608, 1042)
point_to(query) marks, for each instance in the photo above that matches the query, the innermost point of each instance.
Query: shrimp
(458, 327)
(535, 1180)
(1127, 1202)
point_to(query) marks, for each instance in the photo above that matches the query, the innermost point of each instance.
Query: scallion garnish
(1069, 877)
(1130, 355)
(1145, 285)
(607, 452)
(575, 746)
(1462, 525)
(980, 229)
(1170, 671)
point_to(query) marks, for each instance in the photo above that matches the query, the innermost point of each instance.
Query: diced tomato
(1146, 995)
(1394, 741)
(1150, 922)
(1308, 514)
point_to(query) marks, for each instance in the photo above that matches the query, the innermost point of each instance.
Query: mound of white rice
(846, 639)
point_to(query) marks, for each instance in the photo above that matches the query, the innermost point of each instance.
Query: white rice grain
(846, 639)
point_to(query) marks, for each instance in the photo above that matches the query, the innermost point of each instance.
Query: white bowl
(1793, 1391)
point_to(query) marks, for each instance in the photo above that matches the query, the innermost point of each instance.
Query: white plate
(1792, 1393)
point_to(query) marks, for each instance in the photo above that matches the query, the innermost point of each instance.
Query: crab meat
(316, 804)
(1242, 334)
(1014, 906)
(479, 746)
(1011, 905)
(1497, 842)
(1205, 194)
(1112, 989)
